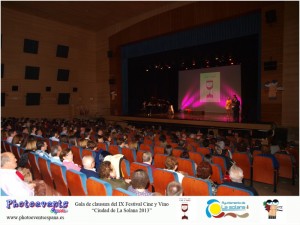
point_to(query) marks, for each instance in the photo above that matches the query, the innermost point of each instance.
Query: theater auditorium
(191, 98)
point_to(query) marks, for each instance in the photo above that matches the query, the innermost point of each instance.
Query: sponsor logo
(217, 209)
(272, 206)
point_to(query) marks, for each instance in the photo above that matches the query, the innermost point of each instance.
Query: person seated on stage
(168, 150)
(204, 171)
(139, 183)
(107, 173)
(88, 169)
(174, 189)
(66, 156)
(12, 181)
(171, 164)
(236, 176)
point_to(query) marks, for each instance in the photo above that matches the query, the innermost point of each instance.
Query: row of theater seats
(252, 167)
(70, 182)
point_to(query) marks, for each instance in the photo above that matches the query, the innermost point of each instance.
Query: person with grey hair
(147, 159)
(236, 176)
(174, 189)
(88, 169)
(12, 181)
(54, 153)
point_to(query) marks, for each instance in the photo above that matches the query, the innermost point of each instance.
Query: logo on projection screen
(210, 87)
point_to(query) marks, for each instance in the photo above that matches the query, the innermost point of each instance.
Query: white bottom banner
(278, 210)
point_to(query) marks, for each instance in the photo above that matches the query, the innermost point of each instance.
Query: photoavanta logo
(216, 209)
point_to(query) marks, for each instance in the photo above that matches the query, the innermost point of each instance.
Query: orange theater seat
(161, 178)
(76, 182)
(32, 157)
(58, 173)
(187, 166)
(44, 165)
(196, 187)
(159, 160)
(286, 166)
(98, 187)
(243, 160)
(264, 171)
(225, 190)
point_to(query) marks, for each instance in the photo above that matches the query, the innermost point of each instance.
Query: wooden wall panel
(81, 63)
(290, 105)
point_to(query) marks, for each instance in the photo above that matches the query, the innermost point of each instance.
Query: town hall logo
(216, 209)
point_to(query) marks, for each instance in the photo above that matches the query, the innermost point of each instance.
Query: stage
(182, 119)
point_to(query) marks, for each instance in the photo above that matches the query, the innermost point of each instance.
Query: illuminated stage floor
(210, 120)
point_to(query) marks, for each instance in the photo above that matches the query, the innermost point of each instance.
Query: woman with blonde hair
(228, 106)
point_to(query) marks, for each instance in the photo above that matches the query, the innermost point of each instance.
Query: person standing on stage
(228, 107)
(236, 109)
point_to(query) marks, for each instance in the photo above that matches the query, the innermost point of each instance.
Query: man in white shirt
(11, 183)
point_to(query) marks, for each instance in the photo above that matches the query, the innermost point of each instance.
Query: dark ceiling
(89, 15)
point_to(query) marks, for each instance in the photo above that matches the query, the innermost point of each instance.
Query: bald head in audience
(236, 174)
(88, 162)
(8, 161)
(174, 189)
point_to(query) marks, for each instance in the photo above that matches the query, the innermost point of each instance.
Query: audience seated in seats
(41, 149)
(266, 152)
(174, 189)
(17, 139)
(121, 142)
(12, 182)
(185, 155)
(147, 159)
(30, 147)
(73, 141)
(182, 145)
(66, 156)
(219, 151)
(162, 141)
(11, 134)
(99, 157)
(140, 183)
(92, 145)
(133, 144)
(83, 143)
(54, 153)
(236, 175)
(204, 171)
(168, 150)
(64, 138)
(208, 158)
(107, 173)
(171, 164)
(88, 169)
(55, 136)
